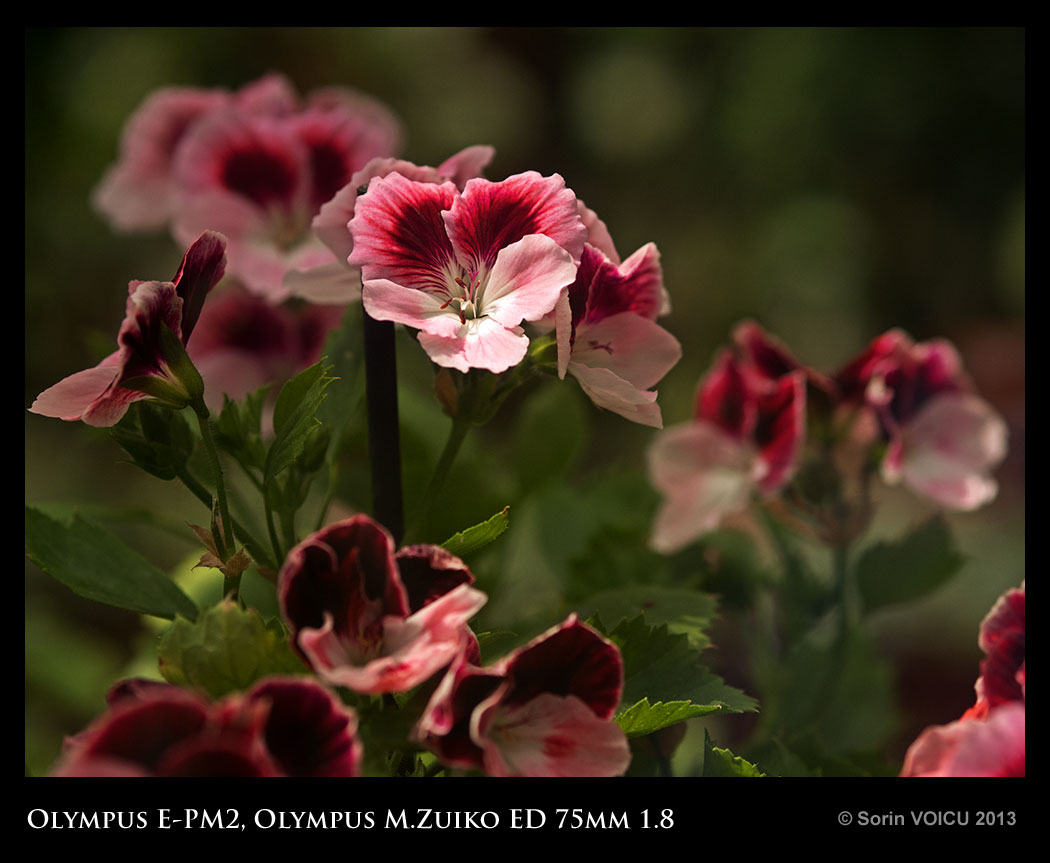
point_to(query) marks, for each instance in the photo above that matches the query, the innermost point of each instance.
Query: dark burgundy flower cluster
(283, 726)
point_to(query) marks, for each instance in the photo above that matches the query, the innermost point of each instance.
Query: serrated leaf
(722, 762)
(226, 650)
(686, 612)
(295, 416)
(908, 568)
(645, 718)
(96, 565)
(238, 429)
(479, 535)
(663, 667)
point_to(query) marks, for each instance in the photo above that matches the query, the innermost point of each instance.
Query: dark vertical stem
(384, 443)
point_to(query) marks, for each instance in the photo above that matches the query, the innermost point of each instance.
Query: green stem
(196, 487)
(456, 435)
(272, 530)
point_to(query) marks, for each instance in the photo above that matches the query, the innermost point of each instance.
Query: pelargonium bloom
(942, 439)
(467, 268)
(98, 395)
(242, 342)
(372, 620)
(337, 281)
(546, 709)
(746, 436)
(608, 338)
(989, 738)
(283, 726)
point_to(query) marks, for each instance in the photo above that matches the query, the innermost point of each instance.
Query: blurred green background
(830, 183)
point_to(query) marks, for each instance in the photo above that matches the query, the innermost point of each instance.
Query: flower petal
(948, 448)
(635, 348)
(608, 390)
(552, 735)
(479, 344)
(704, 475)
(489, 216)
(526, 280)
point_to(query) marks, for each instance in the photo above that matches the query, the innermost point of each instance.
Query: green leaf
(722, 762)
(160, 442)
(664, 671)
(239, 428)
(295, 416)
(479, 535)
(645, 718)
(226, 650)
(344, 350)
(549, 434)
(96, 565)
(893, 572)
(686, 612)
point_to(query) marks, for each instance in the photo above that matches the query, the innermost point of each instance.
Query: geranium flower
(283, 726)
(261, 176)
(98, 395)
(989, 738)
(370, 620)
(607, 335)
(242, 342)
(544, 710)
(467, 268)
(745, 437)
(942, 440)
(337, 281)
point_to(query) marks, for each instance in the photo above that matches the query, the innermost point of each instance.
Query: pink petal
(704, 476)
(386, 301)
(971, 747)
(551, 735)
(635, 348)
(479, 344)
(636, 286)
(72, 397)
(333, 283)
(609, 391)
(490, 216)
(948, 449)
(399, 234)
(598, 233)
(526, 280)
(467, 164)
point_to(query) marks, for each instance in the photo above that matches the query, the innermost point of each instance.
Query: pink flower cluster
(283, 726)
(911, 401)
(376, 621)
(467, 262)
(989, 738)
(256, 164)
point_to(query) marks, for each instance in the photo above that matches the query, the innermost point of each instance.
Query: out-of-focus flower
(257, 165)
(746, 436)
(283, 726)
(467, 268)
(337, 281)
(544, 710)
(242, 342)
(607, 335)
(989, 739)
(943, 441)
(100, 396)
(371, 620)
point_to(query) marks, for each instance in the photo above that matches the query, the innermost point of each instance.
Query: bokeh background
(830, 183)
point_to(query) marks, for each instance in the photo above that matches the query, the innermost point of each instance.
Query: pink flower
(989, 739)
(607, 336)
(971, 747)
(99, 396)
(242, 342)
(283, 726)
(943, 440)
(746, 437)
(371, 620)
(467, 268)
(337, 281)
(544, 710)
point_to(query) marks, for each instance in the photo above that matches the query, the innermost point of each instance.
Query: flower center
(465, 298)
